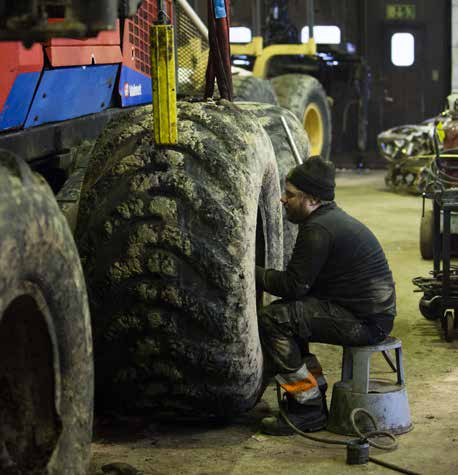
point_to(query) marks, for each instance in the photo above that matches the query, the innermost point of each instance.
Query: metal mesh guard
(191, 45)
(192, 51)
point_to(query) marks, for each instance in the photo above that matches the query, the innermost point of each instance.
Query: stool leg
(361, 365)
(389, 360)
(399, 365)
(347, 364)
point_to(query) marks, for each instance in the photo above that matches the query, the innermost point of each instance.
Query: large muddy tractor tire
(427, 235)
(170, 238)
(305, 97)
(253, 89)
(46, 371)
(270, 118)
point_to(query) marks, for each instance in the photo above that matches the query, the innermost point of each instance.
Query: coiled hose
(363, 436)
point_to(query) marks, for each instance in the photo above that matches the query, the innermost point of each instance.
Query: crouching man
(336, 289)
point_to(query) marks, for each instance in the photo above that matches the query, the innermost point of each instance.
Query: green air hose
(363, 436)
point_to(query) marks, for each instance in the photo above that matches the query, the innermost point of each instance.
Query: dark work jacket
(336, 258)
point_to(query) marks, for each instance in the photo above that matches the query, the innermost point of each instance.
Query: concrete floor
(431, 367)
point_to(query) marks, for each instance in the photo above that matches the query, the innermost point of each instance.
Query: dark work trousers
(286, 328)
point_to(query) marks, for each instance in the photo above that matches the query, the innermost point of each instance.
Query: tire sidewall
(38, 257)
(427, 235)
(270, 117)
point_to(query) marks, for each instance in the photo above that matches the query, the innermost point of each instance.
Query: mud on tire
(270, 118)
(46, 373)
(305, 97)
(170, 237)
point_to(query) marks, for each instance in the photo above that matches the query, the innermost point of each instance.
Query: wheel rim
(313, 125)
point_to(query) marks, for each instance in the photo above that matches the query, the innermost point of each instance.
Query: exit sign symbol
(400, 12)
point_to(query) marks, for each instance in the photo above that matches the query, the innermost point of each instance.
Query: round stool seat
(389, 343)
(386, 400)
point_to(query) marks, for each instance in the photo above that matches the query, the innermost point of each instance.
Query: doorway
(403, 79)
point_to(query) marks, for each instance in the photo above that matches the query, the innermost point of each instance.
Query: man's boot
(314, 366)
(304, 405)
(309, 417)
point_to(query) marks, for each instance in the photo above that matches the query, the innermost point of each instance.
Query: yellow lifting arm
(264, 55)
(164, 85)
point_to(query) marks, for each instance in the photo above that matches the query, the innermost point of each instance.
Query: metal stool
(385, 400)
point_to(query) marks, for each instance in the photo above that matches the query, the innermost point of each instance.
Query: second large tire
(253, 89)
(46, 371)
(170, 237)
(305, 97)
(270, 118)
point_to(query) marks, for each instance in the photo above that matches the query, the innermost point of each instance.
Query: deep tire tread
(184, 206)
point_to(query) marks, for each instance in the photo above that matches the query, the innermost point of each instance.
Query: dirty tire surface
(46, 371)
(253, 89)
(296, 92)
(270, 118)
(168, 236)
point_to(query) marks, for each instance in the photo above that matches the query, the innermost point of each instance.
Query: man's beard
(295, 217)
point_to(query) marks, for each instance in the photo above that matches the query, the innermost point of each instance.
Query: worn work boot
(307, 417)
(314, 367)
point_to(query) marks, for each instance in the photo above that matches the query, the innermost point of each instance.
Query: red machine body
(103, 49)
(67, 78)
(20, 70)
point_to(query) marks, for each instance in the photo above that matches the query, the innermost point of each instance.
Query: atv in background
(423, 160)
(411, 151)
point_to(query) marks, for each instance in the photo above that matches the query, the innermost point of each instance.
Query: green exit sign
(400, 11)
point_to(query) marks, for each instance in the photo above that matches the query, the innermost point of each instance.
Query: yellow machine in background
(264, 55)
(325, 85)
(313, 114)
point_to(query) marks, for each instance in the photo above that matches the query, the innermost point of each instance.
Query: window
(239, 34)
(402, 49)
(324, 34)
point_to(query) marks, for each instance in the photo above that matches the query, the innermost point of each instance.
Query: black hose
(308, 436)
(375, 433)
(392, 466)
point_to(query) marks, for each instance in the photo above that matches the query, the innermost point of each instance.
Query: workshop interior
(228, 237)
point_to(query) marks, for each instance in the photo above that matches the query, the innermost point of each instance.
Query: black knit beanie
(315, 176)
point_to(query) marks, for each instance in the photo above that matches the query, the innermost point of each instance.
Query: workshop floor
(431, 367)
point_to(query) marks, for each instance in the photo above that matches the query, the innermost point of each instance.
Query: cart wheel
(431, 308)
(449, 324)
(427, 235)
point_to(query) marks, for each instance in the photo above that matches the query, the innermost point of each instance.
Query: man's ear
(314, 201)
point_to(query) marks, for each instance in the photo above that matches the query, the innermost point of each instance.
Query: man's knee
(273, 317)
(278, 339)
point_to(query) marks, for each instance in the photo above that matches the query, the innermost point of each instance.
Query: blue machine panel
(67, 93)
(18, 102)
(134, 88)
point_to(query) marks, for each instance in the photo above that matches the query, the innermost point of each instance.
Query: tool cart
(440, 289)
